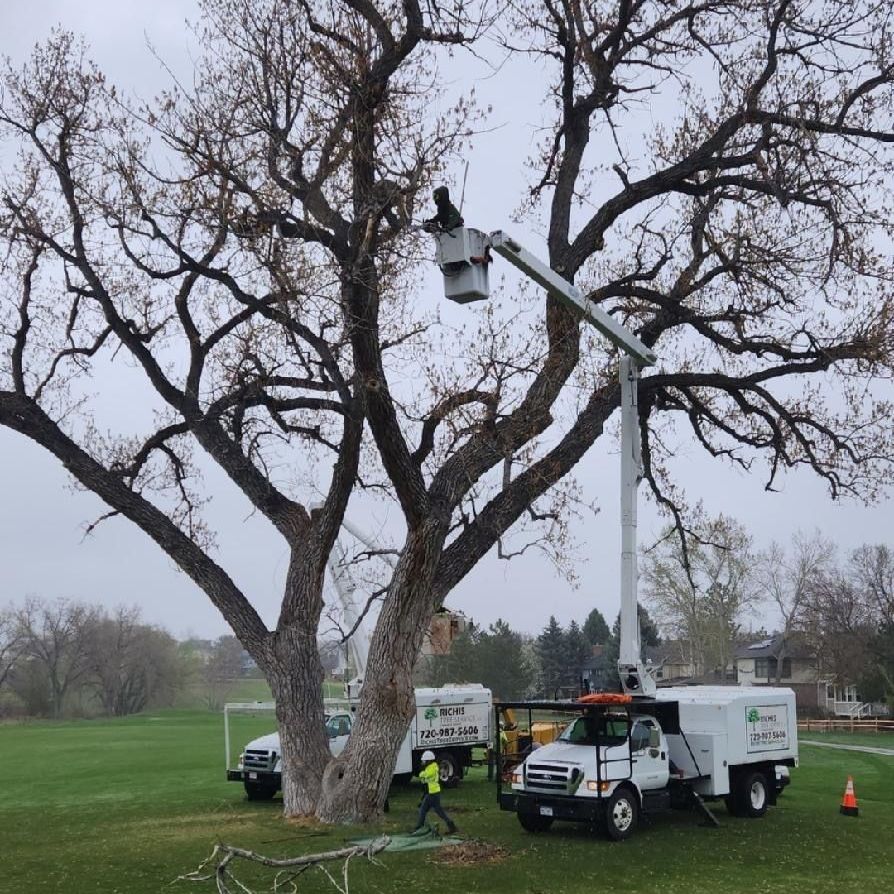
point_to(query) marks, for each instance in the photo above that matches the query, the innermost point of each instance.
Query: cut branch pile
(219, 867)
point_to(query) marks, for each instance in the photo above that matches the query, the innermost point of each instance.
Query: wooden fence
(847, 726)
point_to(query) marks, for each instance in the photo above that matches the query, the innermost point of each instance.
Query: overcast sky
(42, 547)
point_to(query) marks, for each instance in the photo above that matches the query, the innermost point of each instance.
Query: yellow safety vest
(429, 775)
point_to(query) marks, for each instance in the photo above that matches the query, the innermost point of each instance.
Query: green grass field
(128, 805)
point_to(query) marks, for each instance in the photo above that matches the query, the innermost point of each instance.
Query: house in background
(765, 662)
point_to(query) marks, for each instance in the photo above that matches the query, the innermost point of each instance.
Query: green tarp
(426, 837)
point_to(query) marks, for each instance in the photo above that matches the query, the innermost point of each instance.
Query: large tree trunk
(291, 664)
(356, 784)
(295, 675)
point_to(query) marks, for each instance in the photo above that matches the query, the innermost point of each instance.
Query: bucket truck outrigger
(626, 752)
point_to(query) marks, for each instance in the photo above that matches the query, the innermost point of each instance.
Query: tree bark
(295, 675)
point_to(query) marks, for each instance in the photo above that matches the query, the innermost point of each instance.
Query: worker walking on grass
(431, 800)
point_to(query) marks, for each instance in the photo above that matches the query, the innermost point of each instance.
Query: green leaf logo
(431, 713)
(753, 715)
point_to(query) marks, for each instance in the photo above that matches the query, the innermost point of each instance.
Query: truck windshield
(596, 729)
(338, 725)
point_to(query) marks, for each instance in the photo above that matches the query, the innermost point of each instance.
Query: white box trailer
(448, 720)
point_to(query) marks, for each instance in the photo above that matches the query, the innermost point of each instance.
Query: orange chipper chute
(849, 801)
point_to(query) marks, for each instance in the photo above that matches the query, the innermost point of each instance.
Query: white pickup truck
(450, 721)
(618, 758)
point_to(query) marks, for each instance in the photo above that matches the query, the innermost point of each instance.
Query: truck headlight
(516, 778)
(594, 786)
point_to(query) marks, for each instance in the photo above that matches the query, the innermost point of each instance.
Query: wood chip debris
(469, 853)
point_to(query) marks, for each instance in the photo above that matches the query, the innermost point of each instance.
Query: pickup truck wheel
(449, 772)
(259, 791)
(621, 814)
(533, 822)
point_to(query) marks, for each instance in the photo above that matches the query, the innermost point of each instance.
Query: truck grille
(559, 778)
(258, 759)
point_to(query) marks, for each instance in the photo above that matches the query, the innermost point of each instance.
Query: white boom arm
(358, 642)
(570, 295)
(636, 676)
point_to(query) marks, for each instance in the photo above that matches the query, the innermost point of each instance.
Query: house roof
(768, 646)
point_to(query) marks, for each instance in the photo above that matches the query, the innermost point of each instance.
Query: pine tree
(551, 648)
(595, 628)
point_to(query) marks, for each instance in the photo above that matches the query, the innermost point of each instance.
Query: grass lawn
(127, 805)
(874, 740)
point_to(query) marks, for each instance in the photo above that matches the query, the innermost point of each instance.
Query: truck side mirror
(654, 738)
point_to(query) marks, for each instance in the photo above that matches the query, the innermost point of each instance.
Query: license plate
(252, 775)
(546, 811)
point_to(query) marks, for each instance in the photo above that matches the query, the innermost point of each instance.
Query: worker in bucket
(431, 800)
(448, 216)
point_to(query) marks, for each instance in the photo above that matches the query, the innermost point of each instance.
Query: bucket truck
(448, 720)
(624, 753)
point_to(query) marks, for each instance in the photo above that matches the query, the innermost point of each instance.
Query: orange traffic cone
(849, 801)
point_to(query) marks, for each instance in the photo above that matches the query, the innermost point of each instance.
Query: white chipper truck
(624, 752)
(449, 721)
(622, 755)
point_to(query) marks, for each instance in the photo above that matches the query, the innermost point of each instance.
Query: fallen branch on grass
(217, 867)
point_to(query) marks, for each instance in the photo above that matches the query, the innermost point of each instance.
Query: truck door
(338, 728)
(648, 748)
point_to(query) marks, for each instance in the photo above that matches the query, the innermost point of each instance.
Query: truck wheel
(449, 771)
(259, 791)
(753, 796)
(533, 822)
(621, 814)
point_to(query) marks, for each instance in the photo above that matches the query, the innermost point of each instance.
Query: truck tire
(533, 822)
(621, 813)
(259, 791)
(449, 769)
(750, 796)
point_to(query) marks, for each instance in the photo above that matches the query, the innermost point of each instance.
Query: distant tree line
(65, 658)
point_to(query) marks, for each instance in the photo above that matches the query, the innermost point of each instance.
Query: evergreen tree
(501, 662)
(596, 629)
(551, 650)
(648, 634)
(577, 651)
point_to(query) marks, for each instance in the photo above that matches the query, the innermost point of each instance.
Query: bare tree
(788, 580)
(12, 641)
(744, 239)
(702, 594)
(57, 639)
(131, 664)
(872, 568)
(221, 671)
(837, 623)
